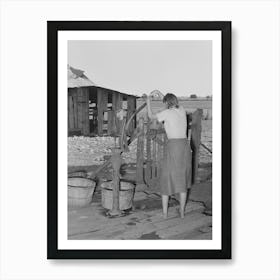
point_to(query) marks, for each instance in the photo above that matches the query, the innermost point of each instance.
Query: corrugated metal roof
(77, 78)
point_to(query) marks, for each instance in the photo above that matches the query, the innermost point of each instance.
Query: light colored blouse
(175, 122)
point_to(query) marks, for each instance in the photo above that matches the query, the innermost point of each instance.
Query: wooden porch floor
(146, 220)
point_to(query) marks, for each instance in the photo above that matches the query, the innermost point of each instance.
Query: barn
(92, 109)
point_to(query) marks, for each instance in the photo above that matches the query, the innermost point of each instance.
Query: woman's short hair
(171, 100)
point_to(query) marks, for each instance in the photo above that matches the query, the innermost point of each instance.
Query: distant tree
(193, 96)
(208, 96)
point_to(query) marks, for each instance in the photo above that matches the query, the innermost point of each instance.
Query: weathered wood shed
(92, 109)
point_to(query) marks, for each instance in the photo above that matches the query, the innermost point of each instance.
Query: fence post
(148, 169)
(123, 136)
(116, 164)
(195, 141)
(140, 153)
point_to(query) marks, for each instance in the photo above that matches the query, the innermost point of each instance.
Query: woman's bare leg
(165, 205)
(183, 198)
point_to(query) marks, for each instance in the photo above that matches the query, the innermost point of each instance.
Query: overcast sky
(137, 67)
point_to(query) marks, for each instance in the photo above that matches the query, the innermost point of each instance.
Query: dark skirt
(176, 168)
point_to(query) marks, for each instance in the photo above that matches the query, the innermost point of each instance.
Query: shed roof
(77, 78)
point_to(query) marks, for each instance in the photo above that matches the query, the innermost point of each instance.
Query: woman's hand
(146, 98)
(149, 109)
(161, 95)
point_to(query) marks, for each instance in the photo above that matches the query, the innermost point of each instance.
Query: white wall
(256, 142)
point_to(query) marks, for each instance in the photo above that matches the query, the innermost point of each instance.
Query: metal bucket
(80, 191)
(125, 198)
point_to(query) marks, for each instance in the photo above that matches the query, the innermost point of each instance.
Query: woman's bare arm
(151, 115)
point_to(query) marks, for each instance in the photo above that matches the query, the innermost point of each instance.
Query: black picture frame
(52, 102)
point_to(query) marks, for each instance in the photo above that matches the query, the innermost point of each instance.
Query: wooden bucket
(80, 191)
(126, 195)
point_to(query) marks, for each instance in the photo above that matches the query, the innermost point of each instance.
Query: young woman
(176, 166)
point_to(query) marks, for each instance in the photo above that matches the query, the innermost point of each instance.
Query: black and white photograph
(138, 110)
(137, 143)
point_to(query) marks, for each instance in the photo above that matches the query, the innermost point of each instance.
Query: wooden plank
(140, 153)
(89, 222)
(94, 127)
(105, 107)
(116, 164)
(116, 101)
(191, 222)
(117, 105)
(139, 109)
(123, 136)
(148, 171)
(111, 123)
(102, 101)
(87, 129)
(71, 124)
(99, 111)
(131, 107)
(195, 141)
(85, 111)
(75, 108)
(74, 132)
(135, 116)
(80, 108)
